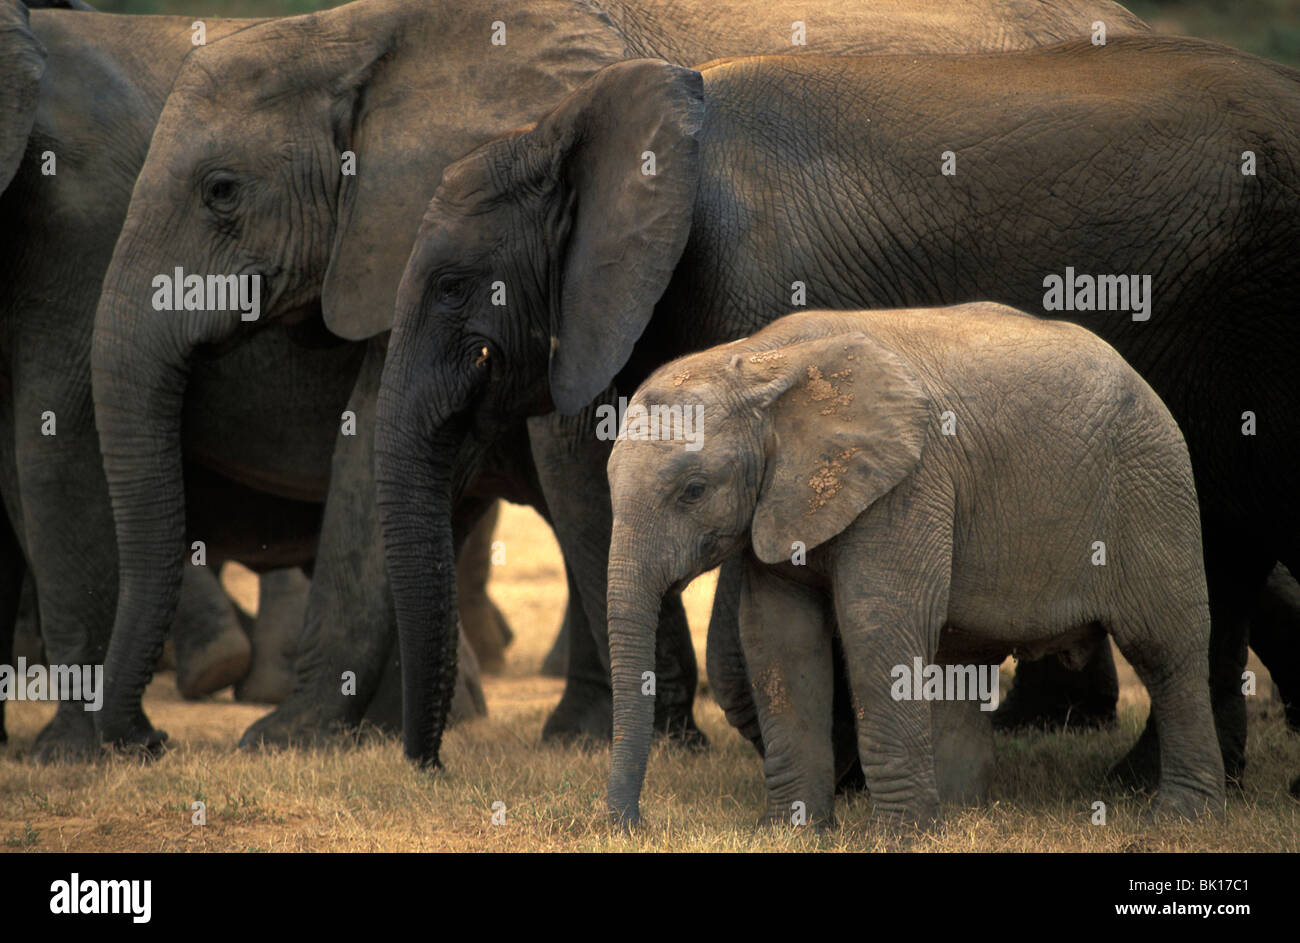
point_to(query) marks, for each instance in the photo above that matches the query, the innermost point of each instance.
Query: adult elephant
(53, 253)
(850, 207)
(74, 158)
(303, 151)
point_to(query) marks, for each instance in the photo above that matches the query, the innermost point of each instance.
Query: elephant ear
(430, 88)
(846, 423)
(22, 63)
(627, 221)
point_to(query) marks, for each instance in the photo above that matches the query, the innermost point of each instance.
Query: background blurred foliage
(1265, 27)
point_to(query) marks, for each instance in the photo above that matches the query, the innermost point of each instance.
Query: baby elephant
(970, 479)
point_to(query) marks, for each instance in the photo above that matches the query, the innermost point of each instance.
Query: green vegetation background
(1265, 27)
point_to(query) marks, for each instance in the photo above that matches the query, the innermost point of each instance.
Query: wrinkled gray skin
(443, 402)
(828, 172)
(57, 243)
(404, 85)
(52, 257)
(50, 285)
(821, 434)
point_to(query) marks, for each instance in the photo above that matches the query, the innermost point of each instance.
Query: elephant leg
(729, 681)
(482, 622)
(27, 623)
(273, 635)
(1235, 574)
(962, 730)
(67, 525)
(849, 777)
(570, 464)
(724, 659)
(1049, 695)
(212, 651)
(556, 662)
(891, 602)
(12, 569)
(962, 734)
(787, 647)
(1275, 637)
(585, 711)
(350, 625)
(1159, 638)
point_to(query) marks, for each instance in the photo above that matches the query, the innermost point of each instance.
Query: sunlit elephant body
(936, 479)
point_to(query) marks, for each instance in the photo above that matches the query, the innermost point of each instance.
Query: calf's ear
(625, 165)
(845, 423)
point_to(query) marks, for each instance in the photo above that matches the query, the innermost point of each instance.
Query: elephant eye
(451, 291)
(220, 191)
(693, 491)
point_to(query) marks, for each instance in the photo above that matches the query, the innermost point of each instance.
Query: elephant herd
(313, 293)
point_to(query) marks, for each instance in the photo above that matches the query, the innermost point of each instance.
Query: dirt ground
(362, 795)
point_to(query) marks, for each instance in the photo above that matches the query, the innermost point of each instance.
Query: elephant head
(549, 246)
(799, 429)
(22, 63)
(298, 153)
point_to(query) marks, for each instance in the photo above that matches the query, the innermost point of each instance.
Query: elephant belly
(1037, 613)
(235, 522)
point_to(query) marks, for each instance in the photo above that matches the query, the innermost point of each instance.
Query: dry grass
(366, 798)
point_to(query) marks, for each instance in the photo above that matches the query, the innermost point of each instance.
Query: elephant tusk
(482, 357)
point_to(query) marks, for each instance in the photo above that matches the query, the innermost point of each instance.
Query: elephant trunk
(139, 389)
(634, 604)
(417, 455)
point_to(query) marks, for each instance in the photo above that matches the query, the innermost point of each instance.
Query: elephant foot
(1185, 804)
(816, 816)
(1295, 788)
(901, 822)
(221, 662)
(270, 677)
(296, 723)
(135, 736)
(273, 634)
(269, 681)
(69, 738)
(785, 820)
(678, 728)
(585, 714)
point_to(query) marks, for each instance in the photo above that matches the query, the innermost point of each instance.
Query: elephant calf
(959, 484)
